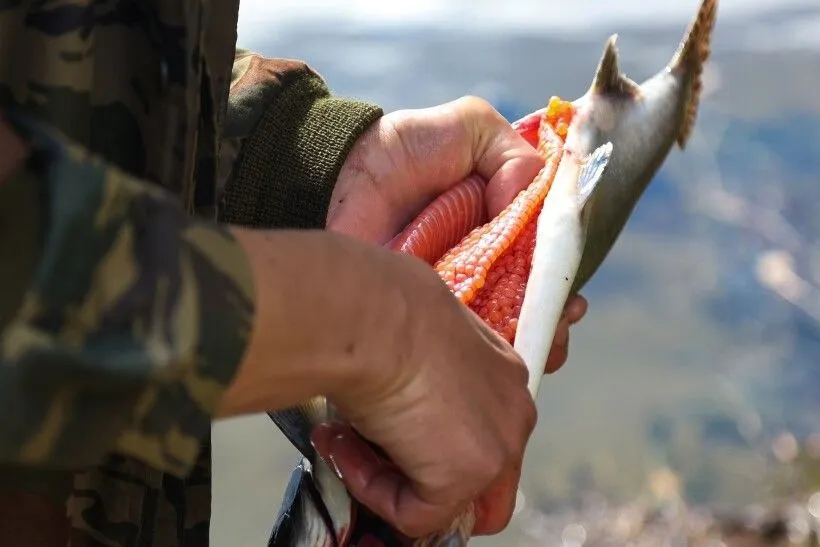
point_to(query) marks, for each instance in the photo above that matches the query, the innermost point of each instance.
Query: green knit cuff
(289, 164)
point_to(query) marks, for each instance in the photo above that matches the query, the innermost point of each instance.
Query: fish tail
(592, 169)
(456, 535)
(692, 54)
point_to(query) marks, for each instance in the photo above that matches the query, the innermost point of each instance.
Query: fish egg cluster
(559, 114)
(489, 268)
(499, 301)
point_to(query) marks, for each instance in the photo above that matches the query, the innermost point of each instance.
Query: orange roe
(559, 115)
(488, 269)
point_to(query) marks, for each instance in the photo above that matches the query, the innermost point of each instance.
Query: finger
(560, 348)
(528, 126)
(495, 507)
(502, 156)
(517, 171)
(557, 358)
(377, 484)
(509, 164)
(575, 309)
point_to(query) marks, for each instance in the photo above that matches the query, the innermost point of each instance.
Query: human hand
(574, 311)
(409, 157)
(449, 406)
(407, 365)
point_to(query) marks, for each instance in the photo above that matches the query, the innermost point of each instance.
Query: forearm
(133, 318)
(326, 302)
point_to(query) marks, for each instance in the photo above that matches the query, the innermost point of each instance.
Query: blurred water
(700, 347)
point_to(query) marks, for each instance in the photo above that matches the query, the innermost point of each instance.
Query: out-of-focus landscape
(692, 394)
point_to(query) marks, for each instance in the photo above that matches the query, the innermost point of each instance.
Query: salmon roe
(559, 115)
(488, 269)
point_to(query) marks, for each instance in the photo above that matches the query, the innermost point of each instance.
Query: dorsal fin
(297, 423)
(690, 57)
(608, 78)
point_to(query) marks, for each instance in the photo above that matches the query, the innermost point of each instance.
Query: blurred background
(690, 400)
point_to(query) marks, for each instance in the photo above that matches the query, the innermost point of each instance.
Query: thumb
(377, 483)
(500, 154)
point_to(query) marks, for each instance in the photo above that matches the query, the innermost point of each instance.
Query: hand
(410, 157)
(451, 411)
(574, 311)
(410, 367)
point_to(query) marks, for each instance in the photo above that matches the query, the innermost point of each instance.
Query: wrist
(313, 330)
(355, 169)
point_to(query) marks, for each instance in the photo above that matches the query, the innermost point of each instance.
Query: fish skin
(644, 121)
(561, 234)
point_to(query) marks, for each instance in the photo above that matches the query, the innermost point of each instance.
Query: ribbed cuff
(289, 164)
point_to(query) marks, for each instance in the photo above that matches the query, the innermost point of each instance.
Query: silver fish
(317, 509)
(643, 122)
(559, 244)
(562, 228)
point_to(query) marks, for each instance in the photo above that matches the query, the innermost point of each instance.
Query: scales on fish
(516, 271)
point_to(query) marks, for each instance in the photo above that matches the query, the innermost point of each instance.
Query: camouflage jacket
(125, 307)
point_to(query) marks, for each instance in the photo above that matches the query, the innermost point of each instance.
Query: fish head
(643, 121)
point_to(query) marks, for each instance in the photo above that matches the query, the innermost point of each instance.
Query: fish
(645, 120)
(503, 269)
(561, 233)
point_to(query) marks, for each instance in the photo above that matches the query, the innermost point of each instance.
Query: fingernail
(342, 443)
(335, 466)
(326, 434)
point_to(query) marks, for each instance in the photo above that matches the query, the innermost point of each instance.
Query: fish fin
(591, 171)
(303, 519)
(289, 517)
(297, 423)
(609, 80)
(692, 54)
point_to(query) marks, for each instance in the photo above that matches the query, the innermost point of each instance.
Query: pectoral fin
(592, 170)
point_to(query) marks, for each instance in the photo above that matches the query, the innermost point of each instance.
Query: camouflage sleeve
(283, 126)
(132, 320)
